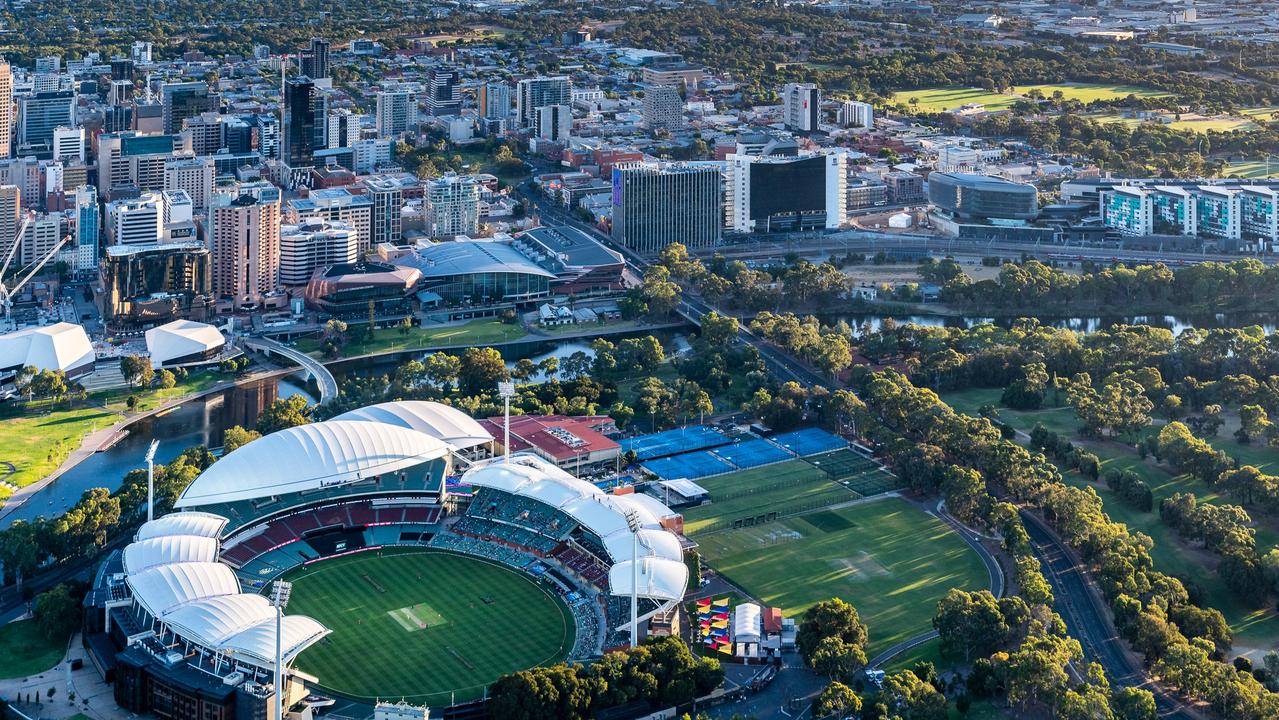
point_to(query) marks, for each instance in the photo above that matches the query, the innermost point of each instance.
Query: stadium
(422, 569)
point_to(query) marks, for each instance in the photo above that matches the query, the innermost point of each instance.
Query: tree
(20, 551)
(480, 371)
(910, 698)
(969, 623)
(236, 437)
(442, 369)
(837, 700)
(57, 613)
(832, 618)
(1133, 704)
(167, 380)
(286, 413)
(837, 659)
(524, 370)
(136, 369)
(1253, 422)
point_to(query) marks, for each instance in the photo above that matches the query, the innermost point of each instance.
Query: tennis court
(809, 441)
(673, 442)
(690, 466)
(855, 471)
(753, 453)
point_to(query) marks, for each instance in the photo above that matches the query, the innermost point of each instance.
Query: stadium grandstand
(177, 619)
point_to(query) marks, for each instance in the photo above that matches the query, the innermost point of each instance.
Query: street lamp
(155, 444)
(280, 591)
(507, 391)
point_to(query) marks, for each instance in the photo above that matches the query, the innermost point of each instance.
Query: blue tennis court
(689, 466)
(753, 453)
(673, 442)
(809, 441)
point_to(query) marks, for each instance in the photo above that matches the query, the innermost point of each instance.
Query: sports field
(951, 98)
(892, 561)
(420, 624)
(783, 488)
(855, 472)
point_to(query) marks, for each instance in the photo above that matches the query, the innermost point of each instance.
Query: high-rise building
(146, 284)
(183, 100)
(1217, 212)
(88, 225)
(853, 114)
(554, 123)
(371, 155)
(1173, 210)
(443, 95)
(663, 108)
(1129, 210)
(10, 215)
(655, 205)
(338, 204)
(136, 221)
(495, 100)
(388, 200)
(1259, 216)
(315, 59)
(533, 93)
(40, 114)
(453, 205)
(46, 82)
(6, 110)
(313, 244)
(802, 107)
(121, 69)
(343, 128)
(40, 235)
(267, 130)
(776, 193)
(244, 240)
(297, 143)
(396, 113)
(141, 53)
(48, 65)
(68, 144)
(194, 175)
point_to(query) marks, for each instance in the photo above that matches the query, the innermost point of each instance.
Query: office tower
(237, 135)
(206, 131)
(443, 96)
(267, 130)
(344, 128)
(315, 60)
(553, 123)
(336, 204)
(244, 240)
(297, 142)
(121, 69)
(141, 53)
(40, 114)
(396, 113)
(40, 234)
(147, 284)
(119, 93)
(371, 155)
(136, 221)
(261, 52)
(453, 205)
(194, 175)
(184, 100)
(387, 201)
(663, 108)
(495, 101)
(88, 227)
(314, 244)
(68, 144)
(320, 111)
(655, 205)
(855, 114)
(48, 65)
(46, 82)
(10, 213)
(776, 193)
(6, 109)
(533, 93)
(802, 107)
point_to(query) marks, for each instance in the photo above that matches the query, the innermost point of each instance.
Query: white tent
(63, 346)
(180, 339)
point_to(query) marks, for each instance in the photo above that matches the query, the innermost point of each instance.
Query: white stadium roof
(169, 549)
(659, 578)
(165, 588)
(435, 419)
(61, 346)
(182, 523)
(653, 543)
(309, 457)
(216, 619)
(181, 338)
(257, 644)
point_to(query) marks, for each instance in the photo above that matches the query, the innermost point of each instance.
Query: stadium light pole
(155, 444)
(280, 592)
(633, 523)
(507, 391)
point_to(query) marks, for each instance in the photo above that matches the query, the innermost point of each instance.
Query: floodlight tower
(634, 524)
(280, 591)
(507, 391)
(151, 479)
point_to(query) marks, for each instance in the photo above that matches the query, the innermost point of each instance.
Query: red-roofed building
(568, 441)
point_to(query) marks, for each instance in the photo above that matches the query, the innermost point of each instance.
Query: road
(1087, 621)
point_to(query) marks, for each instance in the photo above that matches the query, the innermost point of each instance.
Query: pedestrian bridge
(311, 368)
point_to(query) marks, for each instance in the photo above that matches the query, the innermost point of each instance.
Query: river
(202, 421)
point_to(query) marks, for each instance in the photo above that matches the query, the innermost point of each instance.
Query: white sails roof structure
(181, 338)
(183, 523)
(309, 457)
(61, 346)
(659, 578)
(437, 420)
(162, 589)
(169, 549)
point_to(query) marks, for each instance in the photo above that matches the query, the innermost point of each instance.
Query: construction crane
(7, 293)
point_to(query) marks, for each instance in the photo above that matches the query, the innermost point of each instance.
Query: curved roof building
(440, 421)
(183, 341)
(62, 346)
(970, 196)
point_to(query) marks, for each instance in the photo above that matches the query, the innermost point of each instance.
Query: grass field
(1252, 627)
(476, 332)
(889, 559)
(786, 487)
(1254, 169)
(420, 624)
(950, 98)
(855, 472)
(26, 650)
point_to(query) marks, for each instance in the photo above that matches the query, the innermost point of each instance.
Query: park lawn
(787, 487)
(477, 332)
(1255, 169)
(117, 400)
(889, 559)
(1200, 125)
(949, 98)
(422, 624)
(37, 444)
(26, 650)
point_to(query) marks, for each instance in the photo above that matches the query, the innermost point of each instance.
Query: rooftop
(464, 257)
